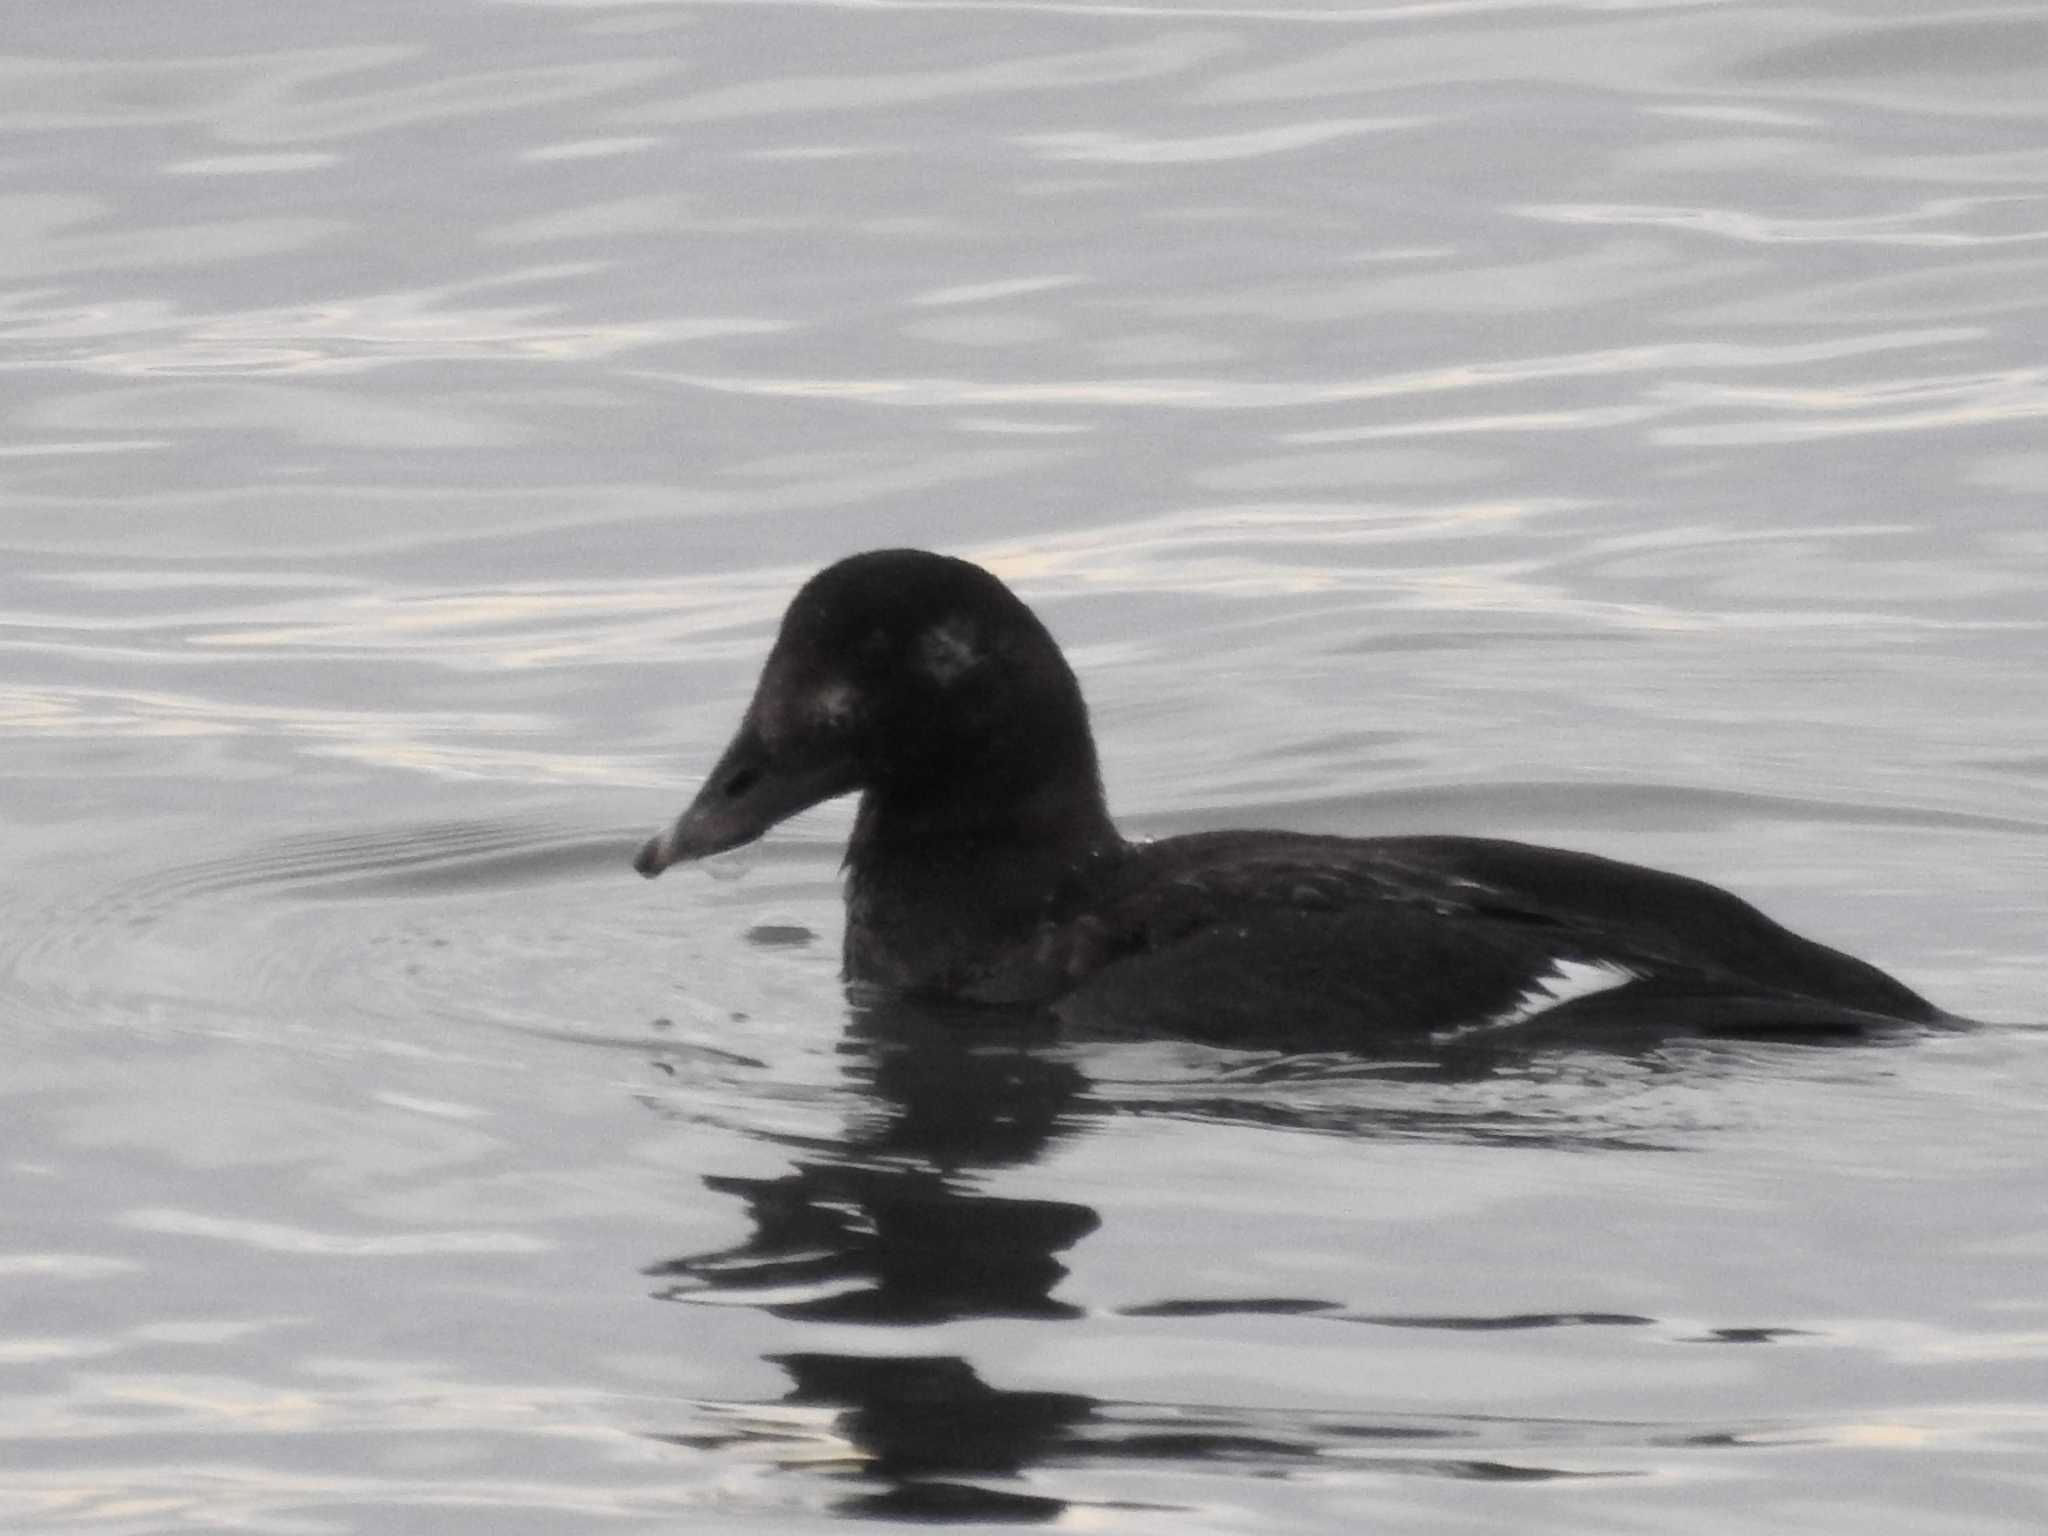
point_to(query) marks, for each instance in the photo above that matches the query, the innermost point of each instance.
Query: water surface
(1617, 426)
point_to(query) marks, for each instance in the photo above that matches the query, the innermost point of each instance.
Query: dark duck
(984, 867)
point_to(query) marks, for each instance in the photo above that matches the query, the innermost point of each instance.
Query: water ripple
(1054, 71)
(1243, 394)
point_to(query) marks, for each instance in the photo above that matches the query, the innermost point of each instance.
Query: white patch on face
(947, 650)
(833, 706)
(1565, 982)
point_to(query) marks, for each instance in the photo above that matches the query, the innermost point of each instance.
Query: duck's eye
(874, 645)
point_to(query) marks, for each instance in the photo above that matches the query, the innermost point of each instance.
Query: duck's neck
(943, 889)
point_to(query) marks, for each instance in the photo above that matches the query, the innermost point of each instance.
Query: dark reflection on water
(890, 1226)
(891, 1230)
(908, 1246)
(922, 1420)
(926, 1429)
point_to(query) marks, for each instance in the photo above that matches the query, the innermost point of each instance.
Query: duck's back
(1255, 935)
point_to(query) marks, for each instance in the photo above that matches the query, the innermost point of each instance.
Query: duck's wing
(1268, 937)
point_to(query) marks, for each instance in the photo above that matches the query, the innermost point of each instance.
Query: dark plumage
(984, 866)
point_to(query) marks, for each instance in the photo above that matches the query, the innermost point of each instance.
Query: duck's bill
(748, 792)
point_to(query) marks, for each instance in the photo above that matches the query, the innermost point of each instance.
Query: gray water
(1610, 424)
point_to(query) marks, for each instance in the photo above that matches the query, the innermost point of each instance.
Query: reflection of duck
(927, 1428)
(984, 866)
(933, 1442)
(891, 1229)
(840, 1243)
(895, 1224)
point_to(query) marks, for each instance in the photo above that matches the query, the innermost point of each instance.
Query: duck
(984, 868)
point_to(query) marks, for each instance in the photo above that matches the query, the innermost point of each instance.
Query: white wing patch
(1565, 982)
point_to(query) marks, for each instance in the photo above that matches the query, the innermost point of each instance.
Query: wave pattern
(1614, 424)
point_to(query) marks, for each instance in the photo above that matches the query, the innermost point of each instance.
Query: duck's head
(917, 678)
